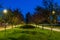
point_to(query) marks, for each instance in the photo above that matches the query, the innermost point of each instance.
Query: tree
(38, 17)
(18, 17)
(41, 14)
(46, 11)
(28, 18)
(53, 9)
(8, 16)
(51, 6)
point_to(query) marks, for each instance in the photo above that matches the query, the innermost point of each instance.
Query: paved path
(8, 27)
(54, 29)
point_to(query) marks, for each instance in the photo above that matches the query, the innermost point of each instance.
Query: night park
(29, 19)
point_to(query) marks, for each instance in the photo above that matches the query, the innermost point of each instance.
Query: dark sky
(24, 5)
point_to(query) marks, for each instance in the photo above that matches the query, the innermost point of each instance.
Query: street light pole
(5, 12)
(54, 18)
(53, 14)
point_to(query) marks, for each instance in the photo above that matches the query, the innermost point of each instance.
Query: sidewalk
(49, 28)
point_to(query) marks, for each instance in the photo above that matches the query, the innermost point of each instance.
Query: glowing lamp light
(53, 12)
(5, 11)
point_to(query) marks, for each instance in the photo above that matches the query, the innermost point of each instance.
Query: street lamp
(5, 12)
(53, 12)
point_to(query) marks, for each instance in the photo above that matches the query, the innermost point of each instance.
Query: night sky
(24, 5)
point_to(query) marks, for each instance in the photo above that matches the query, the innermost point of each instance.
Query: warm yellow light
(53, 12)
(5, 11)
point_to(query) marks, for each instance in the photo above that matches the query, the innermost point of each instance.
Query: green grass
(29, 34)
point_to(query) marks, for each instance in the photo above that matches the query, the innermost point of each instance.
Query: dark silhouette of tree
(46, 12)
(8, 16)
(51, 6)
(41, 13)
(39, 16)
(13, 17)
(28, 18)
(18, 17)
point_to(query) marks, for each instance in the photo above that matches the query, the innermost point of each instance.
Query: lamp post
(54, 18)
(5, 13)
(53, 14)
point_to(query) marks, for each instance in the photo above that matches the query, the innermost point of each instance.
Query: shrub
(27, 27)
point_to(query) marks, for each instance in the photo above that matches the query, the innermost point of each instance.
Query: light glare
(5, 11)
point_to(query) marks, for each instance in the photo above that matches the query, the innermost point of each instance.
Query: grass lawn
(29, 34)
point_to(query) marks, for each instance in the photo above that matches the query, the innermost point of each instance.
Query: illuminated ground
(49, 28)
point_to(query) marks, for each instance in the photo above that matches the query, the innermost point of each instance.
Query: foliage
(18, 17)
(13, 17)
(27, 27)
(28, 18)
(43, 14)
